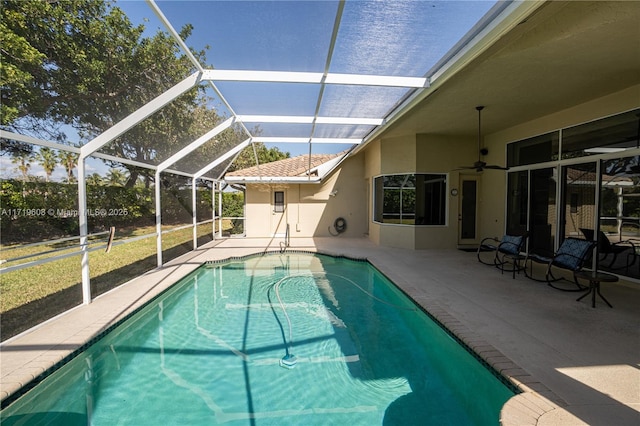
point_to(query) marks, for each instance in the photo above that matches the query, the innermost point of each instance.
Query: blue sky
(400, 38)
(385, 38)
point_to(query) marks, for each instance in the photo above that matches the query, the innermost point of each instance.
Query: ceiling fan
(480, 165)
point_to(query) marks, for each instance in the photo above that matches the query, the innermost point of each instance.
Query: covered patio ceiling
(563, 54)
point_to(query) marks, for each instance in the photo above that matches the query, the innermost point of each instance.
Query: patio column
(84, 231)
(158, 219)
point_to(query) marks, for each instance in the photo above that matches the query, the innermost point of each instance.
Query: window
(539, 149)
(410, 199)
(605, 136)
(278, 201)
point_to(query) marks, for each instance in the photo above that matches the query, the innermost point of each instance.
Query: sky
(396, 38)
(382, 38)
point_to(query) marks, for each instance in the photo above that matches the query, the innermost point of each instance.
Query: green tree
(89, 67)
(116, 177)
(48, 160)
(23, 160)
(94, 179)
(19, 58)
(247, 159)
(69, 161)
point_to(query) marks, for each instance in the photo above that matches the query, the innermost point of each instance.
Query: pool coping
(528, 407)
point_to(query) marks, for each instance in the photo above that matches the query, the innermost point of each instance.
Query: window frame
(378, 190)
(278, 204)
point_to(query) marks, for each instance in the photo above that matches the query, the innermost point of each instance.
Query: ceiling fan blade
(494, 167)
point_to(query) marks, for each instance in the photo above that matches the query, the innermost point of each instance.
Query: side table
(595, 278)
(516, 261)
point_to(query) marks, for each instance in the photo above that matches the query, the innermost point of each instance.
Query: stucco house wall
(425, 153)
(311, 208)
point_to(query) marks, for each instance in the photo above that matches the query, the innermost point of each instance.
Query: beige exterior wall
(372, 156)
(614, 103)
(419, 154)
(310, 210)
(258, 210)
(398, 155)
(492, 207)
(442, 154)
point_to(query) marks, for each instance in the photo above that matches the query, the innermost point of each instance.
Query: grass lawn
(32, 295)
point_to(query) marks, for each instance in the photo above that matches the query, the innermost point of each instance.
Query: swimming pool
(279, 339)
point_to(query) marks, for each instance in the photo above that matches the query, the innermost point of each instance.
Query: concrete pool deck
(575, 364)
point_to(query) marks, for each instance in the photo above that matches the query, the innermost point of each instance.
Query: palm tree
(69, 161)
(94, 179)
(116, 177)
(48, 160)
(23, 160)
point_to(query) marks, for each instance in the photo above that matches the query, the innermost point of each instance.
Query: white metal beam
(262, 76)
(194, 215)
(350, 120)
(137, 163)
(375, 80)
(114, 158)
(40, 142)
(137, 116)
(309, 119)
(196, 144)
(185, 49)
(178, 172)
(306, 140)
(223, 158)
(84, 231)
(157, 192)
(353, 141)
(314, 78)
(296, 119)
(264, 139)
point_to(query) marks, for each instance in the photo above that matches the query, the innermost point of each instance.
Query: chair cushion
(572, 253)
(511, 244)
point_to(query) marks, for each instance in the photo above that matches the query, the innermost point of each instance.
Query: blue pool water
(210, 351)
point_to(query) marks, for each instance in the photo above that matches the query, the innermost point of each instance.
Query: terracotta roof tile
(289, 167)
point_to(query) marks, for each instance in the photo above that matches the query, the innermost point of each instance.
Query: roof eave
(273, 179)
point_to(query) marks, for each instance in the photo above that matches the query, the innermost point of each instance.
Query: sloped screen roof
(307, 76)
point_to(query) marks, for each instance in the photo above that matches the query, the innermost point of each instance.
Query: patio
(539, 337)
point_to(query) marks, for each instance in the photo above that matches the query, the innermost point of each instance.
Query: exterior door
(279, 213)
(468, 208)
(543, 212)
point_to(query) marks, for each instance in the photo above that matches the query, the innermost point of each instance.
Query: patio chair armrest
(629, 242)
(538, 258)
(489, 243)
